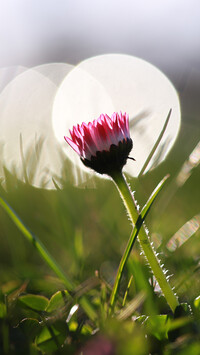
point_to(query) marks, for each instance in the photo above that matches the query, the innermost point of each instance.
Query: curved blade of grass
(131, 241)
(127, 290)
(156, 144)
(84, 302)
(152, 197)
(37, 244)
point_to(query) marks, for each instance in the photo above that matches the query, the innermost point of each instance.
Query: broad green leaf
(35, 302)
(58, 300)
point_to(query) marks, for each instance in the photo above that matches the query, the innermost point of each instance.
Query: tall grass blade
(37, 244)
(156, 144)
(84, 301)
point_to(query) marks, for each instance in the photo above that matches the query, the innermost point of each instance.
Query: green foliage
(86, 232)
(58, 300)
(35, 302)
(47, 325)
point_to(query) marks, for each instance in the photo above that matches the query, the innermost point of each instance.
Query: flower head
(104, 144)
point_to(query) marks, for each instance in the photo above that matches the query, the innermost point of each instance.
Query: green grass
(86, 231)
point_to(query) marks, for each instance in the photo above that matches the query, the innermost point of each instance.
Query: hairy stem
(144, 241)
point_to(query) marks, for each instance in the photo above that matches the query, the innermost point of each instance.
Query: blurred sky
(166, 33)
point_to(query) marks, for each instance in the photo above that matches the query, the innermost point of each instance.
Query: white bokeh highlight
(25, 110)
(41, 104)
(113, 83)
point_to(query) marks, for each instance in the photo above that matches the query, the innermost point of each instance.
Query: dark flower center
(107, 162)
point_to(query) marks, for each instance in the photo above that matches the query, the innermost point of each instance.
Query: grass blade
(156, 144)
(84, 301)
(152, 197)
(37, 244)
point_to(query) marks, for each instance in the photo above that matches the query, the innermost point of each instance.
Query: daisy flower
(104, 144)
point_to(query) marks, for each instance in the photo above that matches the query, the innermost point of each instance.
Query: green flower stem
(143, 238)
(141, 217)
